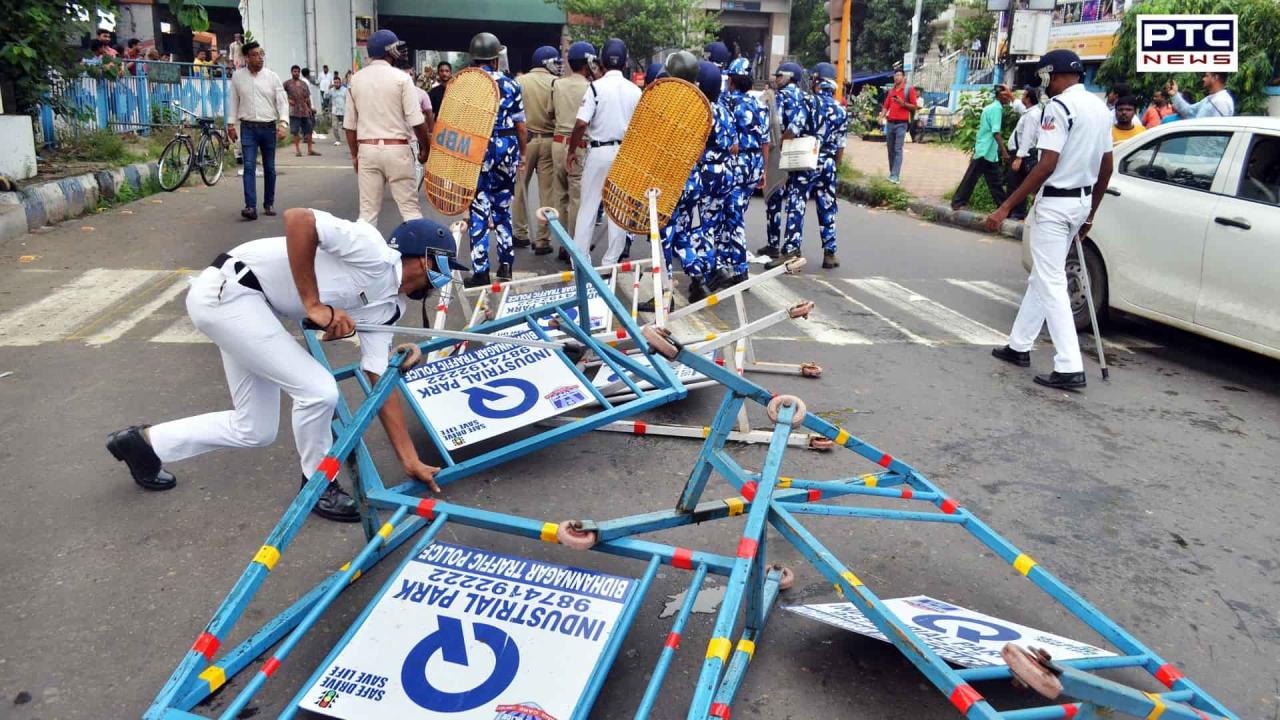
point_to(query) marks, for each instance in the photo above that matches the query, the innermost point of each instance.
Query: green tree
(1258, 41)
(809, 44)
(886, 32)
(646, 26)
(970, 28)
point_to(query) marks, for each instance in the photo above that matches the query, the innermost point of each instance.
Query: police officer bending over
(1074, 169)
(331, 271)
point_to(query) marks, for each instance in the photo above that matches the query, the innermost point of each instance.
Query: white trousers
(259, 358)
(1053, 225)
(594, 171)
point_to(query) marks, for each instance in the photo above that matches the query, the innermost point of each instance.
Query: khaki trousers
(387, 165)
(566, 191)
(537, 159)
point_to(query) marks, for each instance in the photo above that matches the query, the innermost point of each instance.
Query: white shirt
(355, 271)
(1077, 125)
(1219, 104)
(259, 98)
(608, 105)
(1023, 139)
(326, 81)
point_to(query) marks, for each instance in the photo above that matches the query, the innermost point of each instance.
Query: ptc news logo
(1187, 43)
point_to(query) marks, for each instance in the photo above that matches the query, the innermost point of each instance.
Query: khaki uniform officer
(383, 104)
(566, 98)
(535, 85)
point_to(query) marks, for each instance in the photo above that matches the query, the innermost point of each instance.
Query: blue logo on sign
(480, 399)
(963, 631)
(449, 641)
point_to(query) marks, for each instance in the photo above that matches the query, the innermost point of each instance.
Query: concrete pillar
(779, 28)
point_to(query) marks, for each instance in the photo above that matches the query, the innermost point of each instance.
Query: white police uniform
(607, 107)
(240, 301)
(1077, 126)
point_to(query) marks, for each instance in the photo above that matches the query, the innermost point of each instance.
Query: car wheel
(1076, 286)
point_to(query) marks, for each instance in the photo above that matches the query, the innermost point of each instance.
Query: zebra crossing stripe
(932, 312)
(72, 306)
(778, 296)
(989, 290)
(117, 329)
(849, 299)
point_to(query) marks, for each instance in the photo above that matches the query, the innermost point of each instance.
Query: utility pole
(841, 69)
(915, 38)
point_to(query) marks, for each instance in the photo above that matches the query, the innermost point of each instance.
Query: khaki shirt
(535, 86)
(383, 104)
(566, 98)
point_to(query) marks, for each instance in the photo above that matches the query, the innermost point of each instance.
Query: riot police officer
(751, 123)
(831, 126)
(786, 204)
(716, 168)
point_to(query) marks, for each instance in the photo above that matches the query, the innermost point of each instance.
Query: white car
(1189, 233)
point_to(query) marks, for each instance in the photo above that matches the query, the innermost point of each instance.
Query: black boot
(649, 306)
(477, 279)
(1062, 381)
(504, 271)
(542, 250)
(130, 446)
(696, 290)
(768, 251)
(563, 256)
(335, 504)
(723, 277)
(520, 242)
(829, 260)
(1009, 355)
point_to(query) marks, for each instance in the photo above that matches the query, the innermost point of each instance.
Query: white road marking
(778, 296)
(989, 290)
(71, 306)
(905, 332)
(181, 331)
(117, 329)
(932, 312)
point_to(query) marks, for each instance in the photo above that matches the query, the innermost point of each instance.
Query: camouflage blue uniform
(751, 121)
(831, 126)
(790, 199)
(497, 183)
(680, 236)
(716, 169)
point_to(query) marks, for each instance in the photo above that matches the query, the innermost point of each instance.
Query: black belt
(248, 279)
(540, 135)
(504, 133)
(1083, 191)
(603, 143)
(258, 123)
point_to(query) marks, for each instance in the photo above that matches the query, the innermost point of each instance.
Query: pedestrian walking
(239, 302)
(503, 161)
(606, 111)
(566, 99)
(236, 51)
(1217, 101)
(895, 115)
(338, 107)
(535, 85)
(257, 100)
(787, 203)
(1069, 183)
(383, 113)
(301, 111)
(989, 153)
(751, 122)
(1022, 147)
(831, 127)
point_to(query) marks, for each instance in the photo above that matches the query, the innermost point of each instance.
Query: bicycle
(180, 157)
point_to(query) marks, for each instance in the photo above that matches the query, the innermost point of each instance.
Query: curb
(937, 212)
(57, 200)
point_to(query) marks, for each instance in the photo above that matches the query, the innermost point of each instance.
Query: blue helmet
(383, 43)
(718, 53)
(547, 57)
(654, 71)
(582, 50)
(614, 54)
(709, 79)
(791, 71)
(424, 238)
(825, 70)
(740, 66)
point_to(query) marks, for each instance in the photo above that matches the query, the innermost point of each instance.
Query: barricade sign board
(956, 634)
(606, 377)
(601, 318)
(483, 393)
(468, 634)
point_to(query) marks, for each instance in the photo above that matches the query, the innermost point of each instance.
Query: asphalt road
(1148, 494)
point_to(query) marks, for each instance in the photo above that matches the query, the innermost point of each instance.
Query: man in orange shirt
(896, 116)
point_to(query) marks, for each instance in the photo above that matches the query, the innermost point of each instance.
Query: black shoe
(130, 446)
(719, 279)
(769, 251)
(268, 210)
(520, 242)
(477, 279)
(542, 250)
(249, 213)
(1009, 355)
(782, 259)
(957, 206)
(649, 306)
(563, 256)
(336, 504)
(1062, 381)
(829, 260)
(504, 271)
(696, 291)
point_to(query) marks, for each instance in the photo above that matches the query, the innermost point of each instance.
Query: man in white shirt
(606, 111)
(1216, 103)
(257, 101)
(333, 272)
(1074, 169)
(1022, 146)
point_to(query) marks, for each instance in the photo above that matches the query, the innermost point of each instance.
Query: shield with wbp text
(665, 139)
(460, 140)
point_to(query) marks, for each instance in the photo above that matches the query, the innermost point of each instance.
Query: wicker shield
(461, 137)
(666, 138)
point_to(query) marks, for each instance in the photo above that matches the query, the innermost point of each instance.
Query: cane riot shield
(461, 137)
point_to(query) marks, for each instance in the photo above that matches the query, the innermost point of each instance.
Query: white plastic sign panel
(956, 634)
(601, 318)
(485, 392)
(465, 634)
(607, 378)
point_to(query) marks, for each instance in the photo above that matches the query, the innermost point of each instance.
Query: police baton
(450, 334)
(1093, 314)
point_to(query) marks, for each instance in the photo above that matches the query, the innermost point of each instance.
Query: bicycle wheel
(175, 163)
(209, 155)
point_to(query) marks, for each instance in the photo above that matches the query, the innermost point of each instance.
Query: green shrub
(887, 194)
(980, 201)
